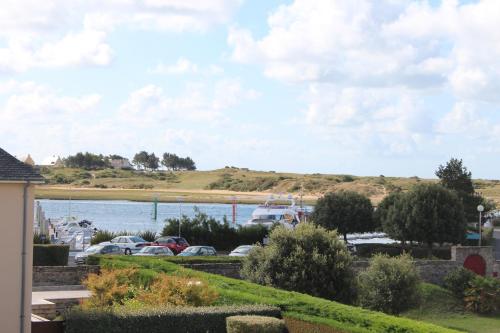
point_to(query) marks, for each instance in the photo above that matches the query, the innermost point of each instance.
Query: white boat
(269, 214)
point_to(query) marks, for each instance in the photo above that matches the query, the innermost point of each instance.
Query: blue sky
(346, 86)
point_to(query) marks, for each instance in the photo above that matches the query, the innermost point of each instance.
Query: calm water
(137, 216)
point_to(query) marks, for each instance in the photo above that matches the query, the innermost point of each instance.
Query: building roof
(11, 169)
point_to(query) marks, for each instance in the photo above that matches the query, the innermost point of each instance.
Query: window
(203, 251)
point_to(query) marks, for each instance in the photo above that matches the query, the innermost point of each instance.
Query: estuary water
(134, 216)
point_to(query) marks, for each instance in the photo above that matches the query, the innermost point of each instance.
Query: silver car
(154, 251)
(81, 258)
(241, 251)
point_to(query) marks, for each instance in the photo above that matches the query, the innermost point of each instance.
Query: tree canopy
(345, 211)
(87, 161)
(174, 162)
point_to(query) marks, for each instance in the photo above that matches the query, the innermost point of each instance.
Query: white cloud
(182, 66)
(58, 33)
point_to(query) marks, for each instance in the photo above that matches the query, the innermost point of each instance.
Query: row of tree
(427, 213)
(147, 161)
(142, 160)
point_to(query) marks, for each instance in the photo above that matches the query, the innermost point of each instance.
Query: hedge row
(299, 306)
(394, 250)
(50, 255)
(210, 319)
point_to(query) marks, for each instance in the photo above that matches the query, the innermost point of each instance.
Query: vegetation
(254, 324)
(345, 211)
(157, 319)
(389, 284)
(106, 235)
(148, 235)
(458, 281)
(294, 305)
(308, 259)
(174, 162)
(455, 176)
(50, 255)
(483, 295)
(39, 238)
(146, 161)
(86, 161)
(393, 250)
(205, 230)
(441, 307)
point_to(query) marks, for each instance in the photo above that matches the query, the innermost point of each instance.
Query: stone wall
(61, 275)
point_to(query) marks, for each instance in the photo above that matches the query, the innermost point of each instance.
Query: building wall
(11, 220)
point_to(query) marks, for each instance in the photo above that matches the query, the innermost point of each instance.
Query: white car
(154, 251)
(241, 251)
(128, 244)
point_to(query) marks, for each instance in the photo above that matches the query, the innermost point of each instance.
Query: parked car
(198, 251)
(128, 244)
(241, 251)
(154, 251)
(175, 244)
(81, 258)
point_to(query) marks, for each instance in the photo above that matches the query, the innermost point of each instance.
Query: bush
(205, 230)
(254, 324)
(50, 255)
(102, 236)
(162, 319)
(483, 295)
(309, 259)
(148, 235)
(39, 238)
(458, 281)
(133, 288)
(389, 285)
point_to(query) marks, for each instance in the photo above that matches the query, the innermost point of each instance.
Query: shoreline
(162, 195)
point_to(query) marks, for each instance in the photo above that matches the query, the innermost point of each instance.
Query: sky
(359, 87)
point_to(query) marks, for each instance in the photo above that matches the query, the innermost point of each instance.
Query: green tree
(436, 215)
(345, 211)
(152, 162)
(389, 285)
(140, 159)
(308, 259)
(392, 214)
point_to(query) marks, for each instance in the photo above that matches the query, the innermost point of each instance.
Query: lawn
(441, 308)
(294, 305)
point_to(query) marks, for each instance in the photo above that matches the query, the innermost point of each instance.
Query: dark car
(198, 251)
(174, 243)
(81, 258)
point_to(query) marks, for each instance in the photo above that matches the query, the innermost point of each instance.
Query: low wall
(61, 275)
(231, 270)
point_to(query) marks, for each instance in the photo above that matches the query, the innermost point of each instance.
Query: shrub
(39, 238)
(102, 236)
(130, 287)
(161, 319)
(309, 259)
(483, 295)
(148, 235)
(254, 324)
(458, 281)
(389, 285)
(50, 255)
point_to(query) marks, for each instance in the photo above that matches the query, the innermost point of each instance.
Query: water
(137, 216)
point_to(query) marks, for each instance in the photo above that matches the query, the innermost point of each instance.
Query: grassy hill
(219, 185)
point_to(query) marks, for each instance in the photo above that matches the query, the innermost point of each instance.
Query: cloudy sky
(362, 87)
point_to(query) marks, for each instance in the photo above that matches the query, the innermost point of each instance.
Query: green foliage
(40, 238)
(161, 319)
(205, 230)
(146, 161)
(148, 235)
(50, 255)
(393, 215)
(458, 281)
(483, 295)
(345, 211)
(315, 310)
(87, 161)
(389, 285)
(174, 162)
(309, 259)
(228, 182)
(436, 215)
(254, 324)
(106, 235)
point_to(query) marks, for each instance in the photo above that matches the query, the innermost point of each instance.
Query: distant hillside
(228, 180)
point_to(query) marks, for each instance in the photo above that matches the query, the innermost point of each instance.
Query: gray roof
(11, 169)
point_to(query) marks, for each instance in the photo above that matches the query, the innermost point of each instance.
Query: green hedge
(254, 324)
(295, 305)
(394, 250)
(50, 255)
(210, 319)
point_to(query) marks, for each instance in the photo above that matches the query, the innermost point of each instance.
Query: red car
(174, 243)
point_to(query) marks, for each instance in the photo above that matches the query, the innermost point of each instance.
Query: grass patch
(440, 307)
(292, 304)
